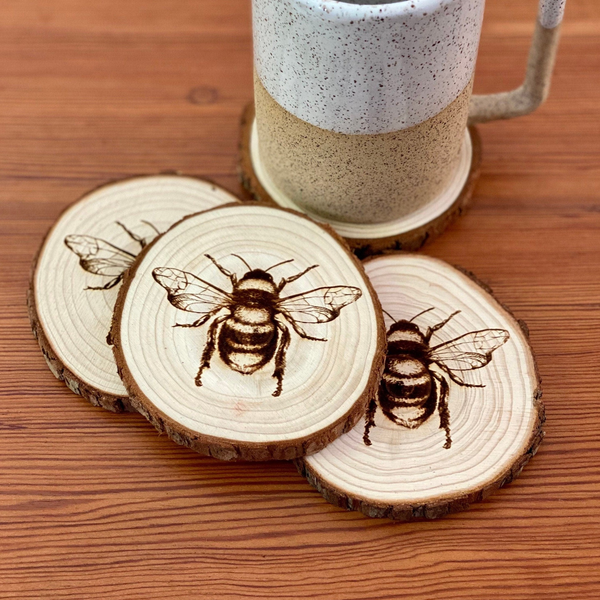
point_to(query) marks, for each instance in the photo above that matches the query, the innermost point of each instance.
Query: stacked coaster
(76, 274)
(458, 412)
(246, 331)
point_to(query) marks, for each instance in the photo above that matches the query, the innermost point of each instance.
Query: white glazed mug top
(366, 68)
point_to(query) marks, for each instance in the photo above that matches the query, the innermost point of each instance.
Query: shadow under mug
(362, 108)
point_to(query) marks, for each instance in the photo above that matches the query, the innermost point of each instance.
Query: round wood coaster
(458, 411)
(79, 267)
(407, 233)
(249, 332)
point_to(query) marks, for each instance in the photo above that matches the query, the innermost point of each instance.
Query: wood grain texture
(97, 505)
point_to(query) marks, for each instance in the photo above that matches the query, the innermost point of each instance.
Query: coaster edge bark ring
(112, 402)
(364, 244)
(233, 414)
(495, 431)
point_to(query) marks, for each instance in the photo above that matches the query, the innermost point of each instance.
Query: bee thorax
(257, 284)
(405, 337)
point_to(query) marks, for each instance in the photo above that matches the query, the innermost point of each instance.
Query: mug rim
(342, 10)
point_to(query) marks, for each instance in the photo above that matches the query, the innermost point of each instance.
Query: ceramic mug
(362, 108)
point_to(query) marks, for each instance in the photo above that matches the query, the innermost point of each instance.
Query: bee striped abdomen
(407, 379)
(248, 340)
(406, 393)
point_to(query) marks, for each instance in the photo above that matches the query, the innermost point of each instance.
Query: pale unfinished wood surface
(90, 246)
(492, 431)
(99, 506)
(307, 392)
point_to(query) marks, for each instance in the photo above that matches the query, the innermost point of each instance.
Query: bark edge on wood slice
(364, 246)
(216, 410)
(505, 431)
(67, 319)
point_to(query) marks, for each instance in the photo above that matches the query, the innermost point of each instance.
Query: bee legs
(151, 226)
(280, 357)
(442, 405)
(457, 380)
(369, 421)
(209, 348)
(287, 280)
(108, 286)
(432, 330)
(197, 323)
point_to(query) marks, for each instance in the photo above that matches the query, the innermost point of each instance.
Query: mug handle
(534, 90)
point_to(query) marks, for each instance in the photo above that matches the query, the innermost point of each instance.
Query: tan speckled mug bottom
(359, 178)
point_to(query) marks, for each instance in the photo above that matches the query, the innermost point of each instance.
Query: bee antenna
(283, 262)
(422, 313)
(388, 314)
(237, 256)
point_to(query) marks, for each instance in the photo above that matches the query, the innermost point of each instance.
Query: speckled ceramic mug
(362, 108)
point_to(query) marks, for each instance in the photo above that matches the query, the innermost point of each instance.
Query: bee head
(257, 279)
(404, 330)
(403, 325)
(258, 274)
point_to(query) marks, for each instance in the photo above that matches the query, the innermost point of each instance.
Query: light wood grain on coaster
(79, 268)
(249, 332)
(458, 412)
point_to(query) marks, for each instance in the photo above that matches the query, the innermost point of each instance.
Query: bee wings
(190, 293)
(99, 256)
(469, 351)
(320, 305)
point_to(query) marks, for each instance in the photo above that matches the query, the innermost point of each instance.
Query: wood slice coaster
(77, 271)
(280, 343)
(434, 443)
(407, 233)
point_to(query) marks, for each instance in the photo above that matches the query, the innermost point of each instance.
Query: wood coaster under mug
(362, 108)
(404, 233)
(81, 262)
(458, 413)
(249, 332)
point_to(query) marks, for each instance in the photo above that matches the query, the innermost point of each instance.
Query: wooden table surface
(97, 505)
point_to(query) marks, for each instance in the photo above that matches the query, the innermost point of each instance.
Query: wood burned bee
(408, 393)
(99, 257)
(249, 327)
